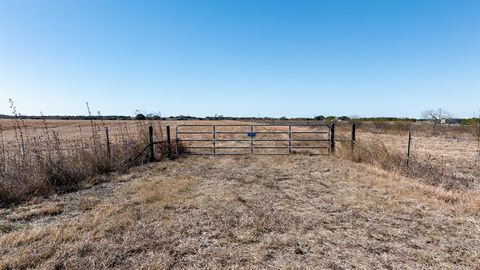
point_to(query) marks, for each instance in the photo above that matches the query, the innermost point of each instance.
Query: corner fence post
(332, 138)
(109, 153)
(169, 146)
(409, 143)
(150, 143)
(354, 126)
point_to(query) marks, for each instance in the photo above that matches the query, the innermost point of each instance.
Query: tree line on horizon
(141, 116)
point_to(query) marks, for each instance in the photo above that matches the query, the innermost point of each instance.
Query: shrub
(140, 116)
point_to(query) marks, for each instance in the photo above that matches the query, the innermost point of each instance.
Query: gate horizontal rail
(218, 136)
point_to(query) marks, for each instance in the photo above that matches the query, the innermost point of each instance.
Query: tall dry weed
(41, 163)
(378, 154)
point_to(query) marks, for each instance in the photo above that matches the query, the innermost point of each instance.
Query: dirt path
(248, 212)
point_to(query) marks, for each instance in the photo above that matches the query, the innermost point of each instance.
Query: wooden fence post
(150, 143)
(354, 126)
(109, 153)
(169, 146)
(332, 138)
(409, 143)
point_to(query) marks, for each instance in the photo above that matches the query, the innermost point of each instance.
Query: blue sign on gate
(251, 134)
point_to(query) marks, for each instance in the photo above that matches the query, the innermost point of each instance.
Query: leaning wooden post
(354, 126)
(109, 153)
(332, 138)
(150, 143)
(409, 143)
(169, 146)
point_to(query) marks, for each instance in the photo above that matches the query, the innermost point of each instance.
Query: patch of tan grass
(465, 201)
(50, 209)
(23, 237)
(163, 193)
(87, 204)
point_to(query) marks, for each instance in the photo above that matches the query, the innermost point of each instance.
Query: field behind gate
(257, 139)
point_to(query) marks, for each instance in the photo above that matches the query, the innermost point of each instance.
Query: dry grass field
(355, 209)
(457, 157)
(247, 212)
(72, 130)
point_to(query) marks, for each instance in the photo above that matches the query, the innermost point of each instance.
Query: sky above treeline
(240, 58)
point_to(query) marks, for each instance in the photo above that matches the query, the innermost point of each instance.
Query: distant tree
(319, 117)
(330, 118)
(437, 116)
(153, 116)
(140, 116)
(344, 118)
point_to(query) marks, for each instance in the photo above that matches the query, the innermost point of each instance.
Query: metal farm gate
(254, 139)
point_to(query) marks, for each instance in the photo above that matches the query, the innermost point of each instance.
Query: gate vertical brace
(329, 136)
(214, 140)
(289, 139)
(176, 141)
(251, 140)
(332, 138)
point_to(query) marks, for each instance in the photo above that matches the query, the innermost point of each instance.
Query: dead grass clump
(375, 153)
(378, 154)
(162, 192)
(51, 209)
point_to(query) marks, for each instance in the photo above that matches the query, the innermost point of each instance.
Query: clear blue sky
(241, 58)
